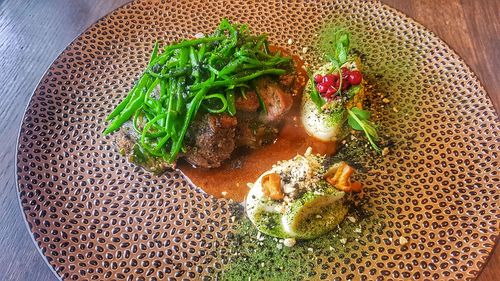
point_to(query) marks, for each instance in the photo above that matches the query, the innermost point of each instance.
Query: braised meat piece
(256, 129)
(247, 103)
(277, 101)
(127, 144)
(210, 140)
(253, 133)
(287, 80)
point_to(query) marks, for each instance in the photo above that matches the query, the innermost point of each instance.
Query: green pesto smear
(256, 256)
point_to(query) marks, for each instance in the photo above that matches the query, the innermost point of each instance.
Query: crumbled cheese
(289, 242)
(310, 249)
(358, 230)
(305, 49)
(319, 217)
(343, 240)
(279, 246)
(395, 109)
(280, 209)
(332, 248)
(224, 193)
(351, 219)
(386, 100)
(199, 35)
(385, 151)
(290, 41)
(403, 241)
(260, 237)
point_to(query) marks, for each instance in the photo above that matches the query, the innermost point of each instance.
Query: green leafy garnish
(315, 97)
(360, 120)
(353, 90)
(341, 49)
(340, 54)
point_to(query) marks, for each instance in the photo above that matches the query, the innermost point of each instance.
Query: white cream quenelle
(328, 123)
(300, 198)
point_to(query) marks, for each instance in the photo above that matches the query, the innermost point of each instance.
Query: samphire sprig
(196, 75)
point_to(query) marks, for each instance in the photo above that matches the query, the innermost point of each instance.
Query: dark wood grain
(472, 29)
(33, 33)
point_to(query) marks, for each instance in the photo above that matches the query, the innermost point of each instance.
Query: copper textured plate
(433, 202)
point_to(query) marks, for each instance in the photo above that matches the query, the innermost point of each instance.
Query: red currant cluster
(329, 84)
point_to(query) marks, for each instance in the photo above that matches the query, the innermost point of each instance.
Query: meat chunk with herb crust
(276, 100)
(127, 142)
(210, 140)
(253, 133)
(248, 103)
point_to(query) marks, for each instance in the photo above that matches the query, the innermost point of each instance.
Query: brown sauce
(247, 165)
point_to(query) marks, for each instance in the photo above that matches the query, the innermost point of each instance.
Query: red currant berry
(330, 92)
(336, 84)
(345, 72)
(355, 77)
(321, 88)
(345, 84)
(328, 80)
(318, 78)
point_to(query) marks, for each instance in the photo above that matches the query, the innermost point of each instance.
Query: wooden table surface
(33, 33)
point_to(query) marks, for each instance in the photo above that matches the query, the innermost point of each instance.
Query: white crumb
(289, 242)
(403, 241)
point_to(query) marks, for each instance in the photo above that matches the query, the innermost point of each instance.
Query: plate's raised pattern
(96, 217)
